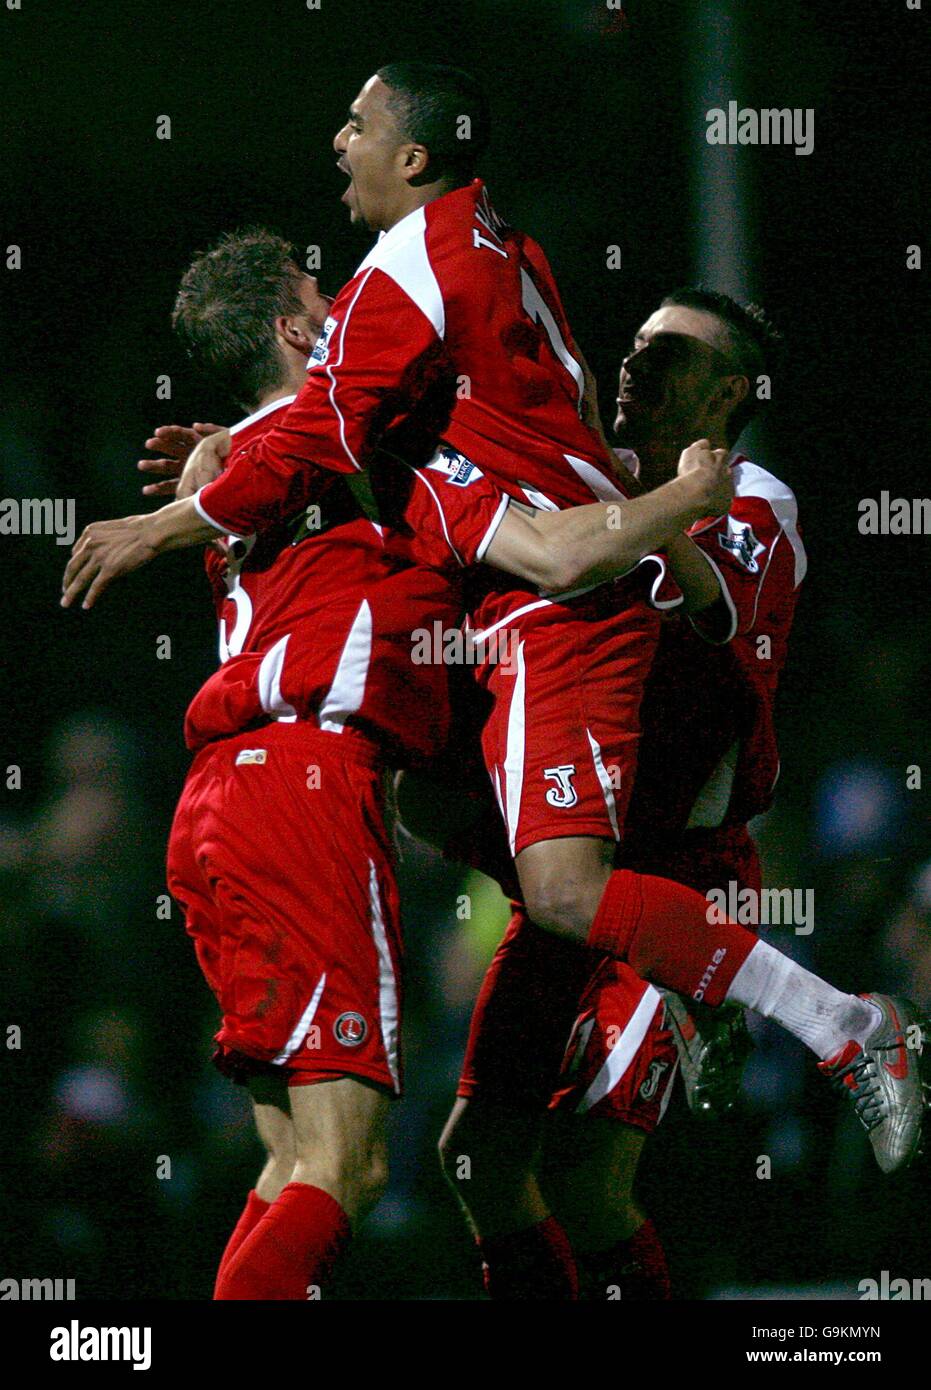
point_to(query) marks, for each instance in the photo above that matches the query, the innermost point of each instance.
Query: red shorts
(279, 857)
(557, 1027)
(560, 743)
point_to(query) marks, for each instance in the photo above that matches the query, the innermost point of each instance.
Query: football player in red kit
(605, 1065)
(481, 356)
(278, 851)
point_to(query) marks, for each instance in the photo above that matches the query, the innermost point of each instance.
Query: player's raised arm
(563, 550)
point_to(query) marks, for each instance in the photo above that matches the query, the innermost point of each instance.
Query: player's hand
(104, 551)
(175, 443)
(710, 472)
(204, 464)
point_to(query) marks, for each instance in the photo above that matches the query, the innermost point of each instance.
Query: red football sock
(661, 928)
(252, 1214)
(533, 1264)
(292, 1249)
(636, 1267)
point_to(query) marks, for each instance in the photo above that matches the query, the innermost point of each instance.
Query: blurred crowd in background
(125, 1157)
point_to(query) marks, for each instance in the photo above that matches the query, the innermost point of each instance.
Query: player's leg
(615, 1082)
(309, 985)
(340, 1173)
(204, 924)
(276, 1132)
(490, 1144)
(489, 1154)
(869, 1046)
(340, 1141)
(588, 1173)
(590, 1170)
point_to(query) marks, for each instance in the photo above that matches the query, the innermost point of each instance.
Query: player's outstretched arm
(587, 545)
(106, 550)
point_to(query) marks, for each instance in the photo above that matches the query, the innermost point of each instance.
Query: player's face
(370, 151)
(669, 377)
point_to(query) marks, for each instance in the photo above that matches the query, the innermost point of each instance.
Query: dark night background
(599, 127)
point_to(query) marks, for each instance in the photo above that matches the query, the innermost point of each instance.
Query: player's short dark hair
(428, 101)
(753, 343)
(227, 303)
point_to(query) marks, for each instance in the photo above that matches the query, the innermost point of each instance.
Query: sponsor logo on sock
(710, 969)
(350, 1029)
(77, 1343)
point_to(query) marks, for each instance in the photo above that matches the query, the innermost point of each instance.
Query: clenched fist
(710, 470)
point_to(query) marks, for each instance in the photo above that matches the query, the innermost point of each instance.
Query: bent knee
(565, 906)
(563, 882)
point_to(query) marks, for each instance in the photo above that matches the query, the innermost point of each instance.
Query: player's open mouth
(345, 169)
(641, 394)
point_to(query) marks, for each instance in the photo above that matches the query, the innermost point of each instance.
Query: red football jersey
(709, 754)
(324, 617)
(451, 328)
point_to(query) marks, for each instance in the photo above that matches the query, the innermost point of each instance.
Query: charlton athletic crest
(350, 1029)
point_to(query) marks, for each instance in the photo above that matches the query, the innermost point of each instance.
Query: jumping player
(482, 357)
(278, 851)
(606, 1065)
